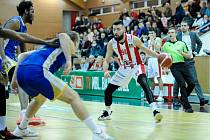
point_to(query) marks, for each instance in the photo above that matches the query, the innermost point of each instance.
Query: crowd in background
(94, 36)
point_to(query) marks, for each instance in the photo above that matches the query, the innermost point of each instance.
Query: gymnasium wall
(48, 15)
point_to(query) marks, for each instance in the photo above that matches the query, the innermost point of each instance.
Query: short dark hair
(185, 21)
(151, 29)
(143, 53)
(117, 22)
(24, 5)
(172, 28)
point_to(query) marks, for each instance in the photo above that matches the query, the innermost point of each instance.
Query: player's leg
(121, 77)
(160, 83)
(71, 97)
(23, 98)
(4, 132)
(142, 80)
(158, 73)
(106, 115)
(32, 108)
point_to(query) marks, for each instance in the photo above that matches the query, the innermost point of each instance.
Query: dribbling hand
(67, 68)
(106, 74)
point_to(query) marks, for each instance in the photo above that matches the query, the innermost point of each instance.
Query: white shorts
(123, 75)
(154, 69)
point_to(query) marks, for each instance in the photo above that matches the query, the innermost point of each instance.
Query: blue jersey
(47, 57)
(10, 45)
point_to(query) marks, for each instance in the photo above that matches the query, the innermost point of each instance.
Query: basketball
(165, 60)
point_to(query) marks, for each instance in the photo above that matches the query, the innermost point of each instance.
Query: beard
(119, 37)
(29, 19)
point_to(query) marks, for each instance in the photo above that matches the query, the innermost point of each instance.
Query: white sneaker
(160, 99)
(24, 132)
(101, 136)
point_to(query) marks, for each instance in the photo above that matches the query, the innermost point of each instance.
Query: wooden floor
(128, 123)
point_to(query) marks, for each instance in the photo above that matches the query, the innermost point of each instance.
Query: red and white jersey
(127, 52)
(152, 45)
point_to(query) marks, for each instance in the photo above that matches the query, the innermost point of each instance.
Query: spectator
(77, 25)
(141, 29)
(208, 10)
(179, 13)
(194, 7)
(126, 20)
(86, 46)
(203, 9)
(167, 10)
(90, 34)
(103, 44)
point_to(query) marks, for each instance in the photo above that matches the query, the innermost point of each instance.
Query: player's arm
(26, 38)
(68, 48)
(21, 57)
(139, 44)
(158, 44)
(107, 59)
(5, 61)
(2, 54)
(108, 56)
(185, 52)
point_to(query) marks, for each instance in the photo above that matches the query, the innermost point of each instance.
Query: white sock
(92, 125)
(154, 106)
(161, 93)
(22, 113)
(108, 109)
(2, 122)
(24, 122)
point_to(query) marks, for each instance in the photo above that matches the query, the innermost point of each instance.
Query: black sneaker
(158, 117)
(7, 135)
(189, 110)
(203, 102)
(105, 116)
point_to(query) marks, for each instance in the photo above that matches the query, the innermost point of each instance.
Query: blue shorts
(35, 80)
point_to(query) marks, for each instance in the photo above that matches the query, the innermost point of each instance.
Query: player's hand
(107, 74)
(67, 68)
(5, 63)
(14, 86)
(4, 78)
(53, 42)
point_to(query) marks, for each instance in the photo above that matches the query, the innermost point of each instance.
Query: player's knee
(71, 96)
(40, 99)
(142, 80)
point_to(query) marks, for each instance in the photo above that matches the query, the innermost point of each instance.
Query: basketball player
(154, 69)
(42, 84)
(6, 33)
(126, 46)
(4, 132)
(179, 69)
(18, 23)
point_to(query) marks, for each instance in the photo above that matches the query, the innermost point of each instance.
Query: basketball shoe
(105, 116)
(101, 136)
(7, 135)
(27, 132)
(158, 117)
(35, 121)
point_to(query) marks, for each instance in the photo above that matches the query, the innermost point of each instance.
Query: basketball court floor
(129, 122)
